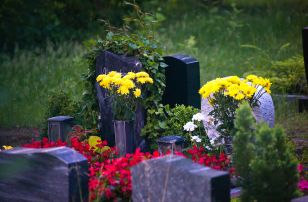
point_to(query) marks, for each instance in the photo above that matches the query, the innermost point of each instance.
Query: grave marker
(182, 81)
(105, 63)
(51, 174)
(175, 178)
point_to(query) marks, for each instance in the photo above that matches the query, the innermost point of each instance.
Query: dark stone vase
(124, 136)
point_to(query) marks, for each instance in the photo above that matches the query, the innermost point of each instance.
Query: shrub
(264, 160)
(168, 121)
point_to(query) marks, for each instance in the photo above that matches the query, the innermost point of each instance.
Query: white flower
(198, 117)
(196, 138)
(208, 148)
(190, 126)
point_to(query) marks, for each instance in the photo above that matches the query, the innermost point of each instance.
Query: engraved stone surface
(177, 179)
(106, 62)
(51, 174)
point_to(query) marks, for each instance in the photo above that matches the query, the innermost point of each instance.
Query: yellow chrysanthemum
(123, 90)
(100, 77)
(142, 74)
(137, 92)
(129, 84)
(7, 147)
(105, 83)
(130, 75)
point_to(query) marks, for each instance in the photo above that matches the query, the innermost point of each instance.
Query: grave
(106, 62)
(175, 178)
(51, 174)
(264, 112)
(182, 81)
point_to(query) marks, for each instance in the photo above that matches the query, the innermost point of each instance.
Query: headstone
(264, 112)
(170, 143)
(59, 127)
(105, 63)
(305, 49)
(177, 179)
(182, 81)
(300, 199)
(51, 174)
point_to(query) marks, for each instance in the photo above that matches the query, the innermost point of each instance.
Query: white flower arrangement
(190, 126)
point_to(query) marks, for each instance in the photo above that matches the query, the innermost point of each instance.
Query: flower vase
(124, 136)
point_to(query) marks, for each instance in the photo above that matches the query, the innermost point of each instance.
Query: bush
(168, 121)
(264, 160)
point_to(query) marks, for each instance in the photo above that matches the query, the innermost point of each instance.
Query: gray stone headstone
(177, 179)
(105, 63)
(51, 174)
(182, 81)
(264, 112)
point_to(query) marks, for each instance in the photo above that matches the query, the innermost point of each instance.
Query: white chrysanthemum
(190, 126)
(196, 138)
(198, 117)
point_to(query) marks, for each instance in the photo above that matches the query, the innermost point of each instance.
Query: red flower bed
(110, 177)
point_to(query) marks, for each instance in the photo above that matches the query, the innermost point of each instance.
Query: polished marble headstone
(106, 62)
(182, 81)
(51, 174)
(177, 179)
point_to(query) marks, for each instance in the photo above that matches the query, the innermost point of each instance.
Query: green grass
(28, 77)
(216, 37)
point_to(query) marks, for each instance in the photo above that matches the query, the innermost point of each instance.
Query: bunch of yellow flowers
(123, 85)
(235, 87)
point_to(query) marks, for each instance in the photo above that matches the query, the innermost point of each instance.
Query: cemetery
(143, 124)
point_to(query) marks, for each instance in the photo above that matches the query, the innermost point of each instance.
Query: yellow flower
(239, 96)
(137, 92)
(105, 83)
(114, 73)
(93, 141)
(130, 75)
(142, 74)
(129, 84)
(123, 90)
(100, 77)
(7, 147)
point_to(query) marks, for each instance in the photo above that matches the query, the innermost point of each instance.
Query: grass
(28, 77)
(226, 40)
(217, 38)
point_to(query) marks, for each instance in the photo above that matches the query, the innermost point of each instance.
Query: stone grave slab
(177, 179)
(51, 174)
(182, 81)
(106, 62)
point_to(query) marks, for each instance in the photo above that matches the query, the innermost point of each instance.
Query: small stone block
(177, 179)
(51, 174)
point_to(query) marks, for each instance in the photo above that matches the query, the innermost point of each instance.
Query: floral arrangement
(124, 90)
(225, 95)
(7, 147)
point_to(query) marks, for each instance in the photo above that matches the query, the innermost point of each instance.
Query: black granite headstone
(177, 179)
(105, 63)
(59, 127)
(305, 49)
(51, 174)
(182, 81)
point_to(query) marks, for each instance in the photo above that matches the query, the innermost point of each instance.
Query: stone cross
(105, 63)
(51, 174)
(177, 179)
(182, 81)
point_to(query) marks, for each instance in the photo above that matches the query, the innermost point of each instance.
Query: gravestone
(105, 63)
(264, 112)
(182, 81)
(177, 179)
(51, 174)
(59, 127)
